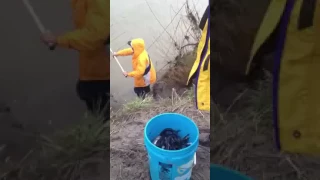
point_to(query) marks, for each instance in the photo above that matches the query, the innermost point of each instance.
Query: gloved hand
(125, 74)
(49, 39)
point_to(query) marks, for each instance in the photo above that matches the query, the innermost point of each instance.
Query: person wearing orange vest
(144, 73)
(90, 37)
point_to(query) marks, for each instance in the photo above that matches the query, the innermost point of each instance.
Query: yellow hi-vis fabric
(201, 71)
(140, 62)
(297, 68)
(299, 87)
(92, 23)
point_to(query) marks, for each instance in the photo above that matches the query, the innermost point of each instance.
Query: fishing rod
(117, 60)
(37, 20)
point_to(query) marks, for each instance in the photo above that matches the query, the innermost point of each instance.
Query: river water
(147, 19)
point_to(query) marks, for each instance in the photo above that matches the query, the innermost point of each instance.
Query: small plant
(138, 103)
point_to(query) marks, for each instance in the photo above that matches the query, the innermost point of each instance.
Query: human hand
(125, 74)
(48, 39)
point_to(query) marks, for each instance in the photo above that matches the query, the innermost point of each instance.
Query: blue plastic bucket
(222, 173)
(171, 164)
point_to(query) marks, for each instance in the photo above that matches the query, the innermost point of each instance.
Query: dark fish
(169, 139)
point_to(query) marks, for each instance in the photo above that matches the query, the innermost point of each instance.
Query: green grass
(137, 103)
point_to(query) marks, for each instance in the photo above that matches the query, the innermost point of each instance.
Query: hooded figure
(201, 68)
(90, 37)
(144, 73)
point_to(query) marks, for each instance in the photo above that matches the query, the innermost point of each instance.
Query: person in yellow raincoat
(144, 73)
(200, 71)
(90, 37)
(296, 100)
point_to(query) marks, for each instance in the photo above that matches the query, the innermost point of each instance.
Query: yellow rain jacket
(296, 86)
(140, 63)
(92, 23)
(201, 70)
